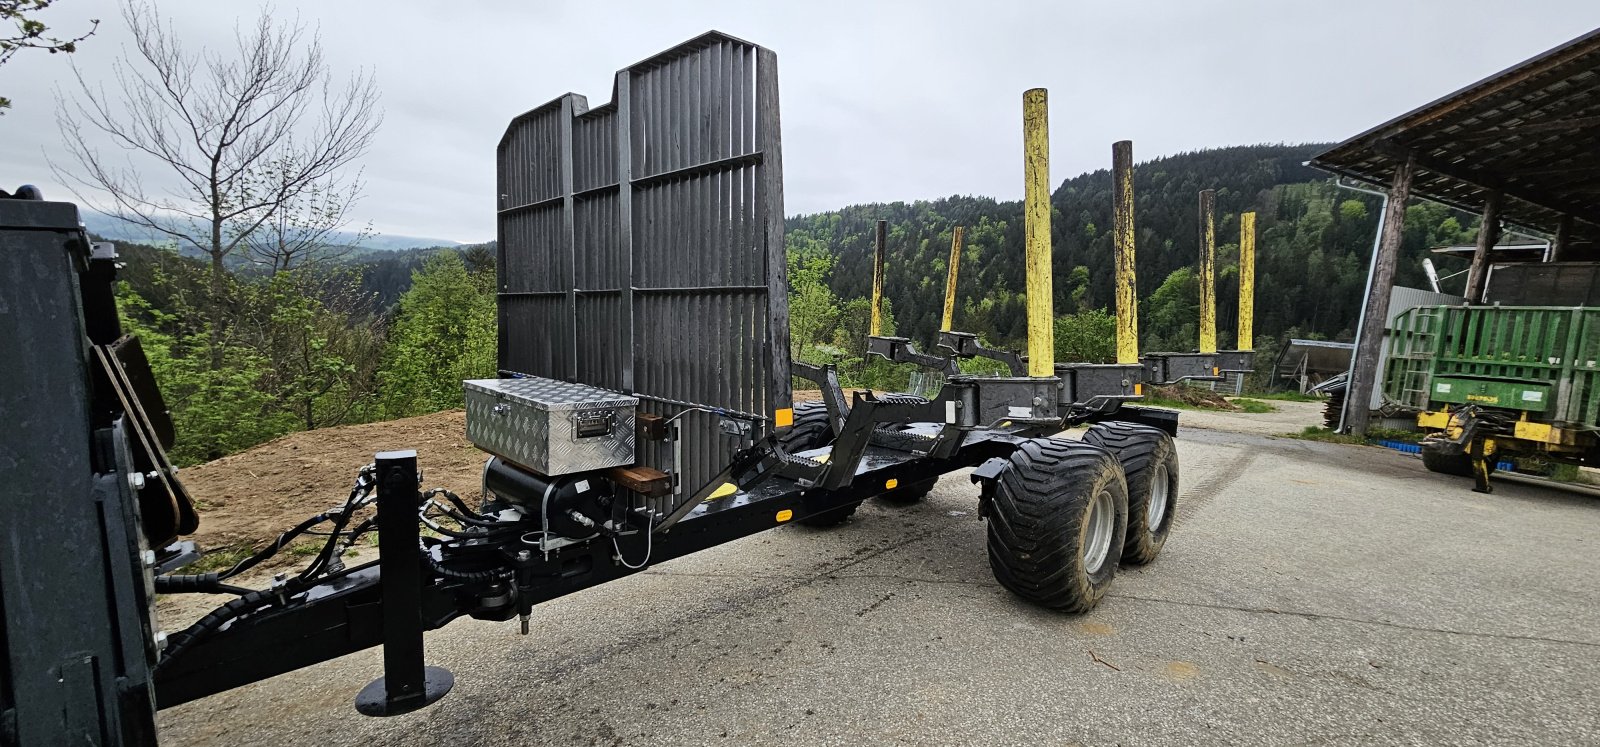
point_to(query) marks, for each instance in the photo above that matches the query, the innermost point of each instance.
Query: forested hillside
(1313, 241)
(338, 339)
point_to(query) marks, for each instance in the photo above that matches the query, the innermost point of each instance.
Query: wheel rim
(1097, 531)
(1156, 511)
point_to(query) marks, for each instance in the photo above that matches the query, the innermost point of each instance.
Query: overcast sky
(880, 101)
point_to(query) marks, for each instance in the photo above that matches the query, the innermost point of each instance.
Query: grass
(1170, 404)
(1252, 405)
(1394, 434)
(1374, 435)
(223, 558)
(1552, 470)
(1286, 396)
(219, 559)
(305, 549)
(1319, 433)
(1243, 405)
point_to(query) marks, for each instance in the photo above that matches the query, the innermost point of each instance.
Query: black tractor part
(906, 495)
(573, 506)
(1446, 458)
(1058, 517)
(812, 430)
(1149, 461)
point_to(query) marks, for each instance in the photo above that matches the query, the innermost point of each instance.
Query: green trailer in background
(1498, 381)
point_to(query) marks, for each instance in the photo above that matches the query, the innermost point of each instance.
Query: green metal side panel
(1538, 359)
(1492, 393)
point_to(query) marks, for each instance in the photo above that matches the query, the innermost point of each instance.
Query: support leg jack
(1480, 468)
(406, 685)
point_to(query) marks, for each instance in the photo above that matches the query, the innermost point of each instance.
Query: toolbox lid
(550, 394)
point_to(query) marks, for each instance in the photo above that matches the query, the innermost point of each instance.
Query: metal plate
(551, 395)
(641, 245)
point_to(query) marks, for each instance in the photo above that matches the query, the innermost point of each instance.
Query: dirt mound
(1193, 396)
(248, 498)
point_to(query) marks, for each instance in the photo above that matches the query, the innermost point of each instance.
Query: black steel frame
(880, 440)
(349, 611)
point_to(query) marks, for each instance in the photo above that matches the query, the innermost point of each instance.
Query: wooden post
(1122, 235)
(950, 274)
(877, 279)
(1036, 228)
(1208, 271)
(1247, 282)
(1364, 372)
(1488, 235)
(1559, 250)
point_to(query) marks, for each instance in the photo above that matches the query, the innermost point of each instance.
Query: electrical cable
(185, 638)
(199, 583)
(686, 411)
(649, 548)
(457, 502)
(272, 549)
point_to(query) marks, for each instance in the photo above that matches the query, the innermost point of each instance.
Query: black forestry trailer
(643, 412)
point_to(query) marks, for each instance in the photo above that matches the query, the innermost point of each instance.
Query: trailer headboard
(641, 246)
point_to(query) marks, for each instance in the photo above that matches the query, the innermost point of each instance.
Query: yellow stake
(1208, 271)
(1036, 212)
(950, 281)
(1247, 281)
(877, 280)
(1127, 287)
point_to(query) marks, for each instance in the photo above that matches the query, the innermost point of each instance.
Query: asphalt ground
(1310, 593)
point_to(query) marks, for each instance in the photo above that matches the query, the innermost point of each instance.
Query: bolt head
(524, 555)
(136, 480)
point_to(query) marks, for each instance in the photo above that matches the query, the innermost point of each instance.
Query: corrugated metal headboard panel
(641, 245)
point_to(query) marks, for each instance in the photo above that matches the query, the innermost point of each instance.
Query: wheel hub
(1156, 509)
(1097, 530)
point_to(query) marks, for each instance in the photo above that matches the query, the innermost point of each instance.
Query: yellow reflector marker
(784, 417)
(1216, 371)
(890, 484)
(1138, 390)
(785, 515)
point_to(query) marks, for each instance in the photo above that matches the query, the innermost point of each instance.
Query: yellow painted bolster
(1208, 272)
(1540, 432)
(1433, 421)
(1036, 233)
(1123, 236)
(1247, 281)
(950, 276)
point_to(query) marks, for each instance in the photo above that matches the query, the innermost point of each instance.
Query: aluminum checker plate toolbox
(551, 427)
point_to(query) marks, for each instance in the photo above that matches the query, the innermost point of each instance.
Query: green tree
(1172, 313)
(1086, 337)
(322, 345)
(813, 307)
(216, 411)
(444, 333)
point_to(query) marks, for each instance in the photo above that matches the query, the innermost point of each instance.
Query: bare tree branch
(208, 147)
(29, 33)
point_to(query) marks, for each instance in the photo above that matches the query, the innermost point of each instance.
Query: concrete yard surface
(1311, 593)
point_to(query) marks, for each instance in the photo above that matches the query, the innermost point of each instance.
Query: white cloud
(881, 102)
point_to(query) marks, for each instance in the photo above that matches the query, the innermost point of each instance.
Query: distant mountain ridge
(1312, 244)
(117, 229)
